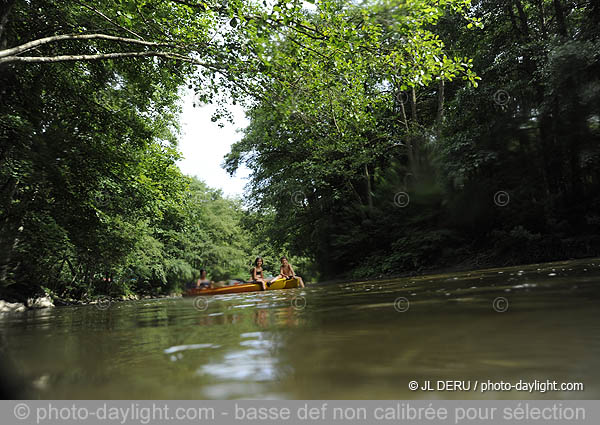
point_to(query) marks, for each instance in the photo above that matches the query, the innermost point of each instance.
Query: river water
(360, 340)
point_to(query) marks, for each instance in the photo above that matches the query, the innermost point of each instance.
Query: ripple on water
(233, 390)
(257, 343)
(243, 305)
(251, 334)
(525, 285)
(177, 348)
(254, 361)
(243, 365)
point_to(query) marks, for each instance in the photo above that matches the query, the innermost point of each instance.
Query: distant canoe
(244, 287)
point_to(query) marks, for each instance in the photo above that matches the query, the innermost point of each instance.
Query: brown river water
(360, 340)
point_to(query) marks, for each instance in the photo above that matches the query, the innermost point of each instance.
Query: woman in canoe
(203, 282)
(257, 273)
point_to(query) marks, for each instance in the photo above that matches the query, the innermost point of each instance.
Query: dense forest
(405, 167)
(385, 137)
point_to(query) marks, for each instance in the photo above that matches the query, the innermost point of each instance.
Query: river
(360, 340)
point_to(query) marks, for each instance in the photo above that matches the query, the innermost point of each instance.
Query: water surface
(338, 341)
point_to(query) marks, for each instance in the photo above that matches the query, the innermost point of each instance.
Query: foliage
(92, 200)
(381, 133)
(350, 131)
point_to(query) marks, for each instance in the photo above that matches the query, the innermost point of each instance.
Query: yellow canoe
(243, 287)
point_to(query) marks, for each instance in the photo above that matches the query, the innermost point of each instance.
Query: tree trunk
(440, 109)
(560, 18)
(404, 117)
(522, 18)
(369, 191)
(409, 145)
(413, 142)
(355, 193)
(8, 233)
(540, 4)
(5, 9)
(413, 104)
(547, 147)
(513, 18)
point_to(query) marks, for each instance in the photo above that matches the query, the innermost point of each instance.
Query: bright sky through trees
(203, 144)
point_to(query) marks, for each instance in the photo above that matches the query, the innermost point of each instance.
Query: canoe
(244, 287)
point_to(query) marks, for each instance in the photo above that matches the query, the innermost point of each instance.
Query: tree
(331, 121)
(350, 128)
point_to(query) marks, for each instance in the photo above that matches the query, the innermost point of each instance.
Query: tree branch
(41, 41)
(202, 7)
(307, 47)
(110, 20)
(101, 56)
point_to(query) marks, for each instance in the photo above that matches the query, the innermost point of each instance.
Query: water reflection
(347, 341)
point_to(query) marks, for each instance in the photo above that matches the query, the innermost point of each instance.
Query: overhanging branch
(101, 56)
(110, 20)
(52, 39)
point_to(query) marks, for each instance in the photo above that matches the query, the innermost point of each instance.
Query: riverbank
(51, 302)
(433, 274)
(30, 304)
(457, 255)
(441, 259)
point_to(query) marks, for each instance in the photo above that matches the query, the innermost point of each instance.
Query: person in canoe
(203, 282)
(257, 273)
(286, 271)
